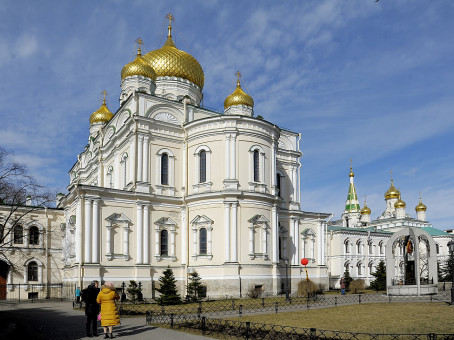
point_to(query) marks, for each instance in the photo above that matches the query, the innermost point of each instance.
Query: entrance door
(3, 276)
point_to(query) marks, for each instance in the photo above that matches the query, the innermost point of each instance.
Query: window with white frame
(33, 238)
(257, 164)
(258, 237)
(18, 235)
(308, 239)
(165, 180)
(165, 233)
(202, 166)
(359, 245)
(164, 169)
(381, 246)
(202, 178)
(32, 271)
(360, 268)
(347, 246)
(202, 229)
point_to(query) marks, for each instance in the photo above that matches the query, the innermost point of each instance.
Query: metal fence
(239, 307)
(18, 293)
(250, 330)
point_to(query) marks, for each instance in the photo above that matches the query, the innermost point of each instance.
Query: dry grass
(403, 318)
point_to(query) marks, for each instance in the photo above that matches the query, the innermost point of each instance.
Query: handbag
(99, 317)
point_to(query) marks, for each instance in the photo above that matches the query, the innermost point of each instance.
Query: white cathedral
(165, 182)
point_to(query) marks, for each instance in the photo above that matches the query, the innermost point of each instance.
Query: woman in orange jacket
(109, 311)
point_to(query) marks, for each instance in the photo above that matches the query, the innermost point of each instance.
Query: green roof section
(352, 203)
(434, 231)
(364, 230)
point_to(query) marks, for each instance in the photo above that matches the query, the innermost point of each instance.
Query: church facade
(358, 244)
(164, 182)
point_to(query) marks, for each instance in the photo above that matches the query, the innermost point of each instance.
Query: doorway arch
(4, 269)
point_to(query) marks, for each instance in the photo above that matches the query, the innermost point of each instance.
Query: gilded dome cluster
(400, 203)
(102, 115)
(138, 67)
(421, 206)
(238, 97)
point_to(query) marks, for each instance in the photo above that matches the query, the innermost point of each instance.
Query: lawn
(397, 318)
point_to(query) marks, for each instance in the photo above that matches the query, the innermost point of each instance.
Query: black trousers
(93, 321)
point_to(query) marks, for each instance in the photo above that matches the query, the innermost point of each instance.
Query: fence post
(431, 336)
(240, 310)
(389, 298)
(307, 301)
(263, 302)
(276, 306)
(359, 298)
(233, 304)
(19, 292)
(171, 320)
(163, 310)
(335, 301)
(203, 324)
(33, 295)
(313, 333)
(248, 328)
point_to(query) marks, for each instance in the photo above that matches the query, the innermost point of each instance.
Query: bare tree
(20, 196)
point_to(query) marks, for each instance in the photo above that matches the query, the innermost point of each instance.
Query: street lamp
(451, 252)
(287, 293)
(123, 294)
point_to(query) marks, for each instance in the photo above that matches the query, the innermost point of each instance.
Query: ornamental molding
(166, 117)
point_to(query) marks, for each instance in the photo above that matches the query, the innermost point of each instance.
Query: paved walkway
(59, 321)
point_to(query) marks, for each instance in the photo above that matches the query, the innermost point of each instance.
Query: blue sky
(362, 80)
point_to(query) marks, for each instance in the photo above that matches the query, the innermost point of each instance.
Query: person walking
(89, 296)
(342, 284)
(109, 311)
(78, 295)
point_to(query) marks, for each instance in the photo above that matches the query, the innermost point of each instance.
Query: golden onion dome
(102, 115)
(138, 67)
(392, 192)
(421, 206)
(238, 97)
(365, 210)
(400, 203)
(172, 62)
(351, 174)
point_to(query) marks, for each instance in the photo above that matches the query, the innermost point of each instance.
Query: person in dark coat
(91, 307)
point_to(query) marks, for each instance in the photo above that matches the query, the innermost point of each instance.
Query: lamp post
(123, 294)
(140, 295)
(287, 293)
(451, 253)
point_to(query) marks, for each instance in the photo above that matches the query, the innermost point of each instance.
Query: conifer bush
(168, 289)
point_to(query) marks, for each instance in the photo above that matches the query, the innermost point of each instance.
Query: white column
(262, 167)
(172, 241)
(157, 241)
(274, 235)
(78, 240)
(294, 184)
(109, 239)
(184, 236)
(234, 232)
(298, 186)
(117, 171)
(194, 241)
(291, 229)
(139, 234)
(227, 156)
(140, 158)
(227, 231)
(209, 240)
(251, 239)
(273, 167)
(232, 156)
(95, 240)
(146, 235)
(126, 241)
(88, 232)
(132, 158)
(145, 159)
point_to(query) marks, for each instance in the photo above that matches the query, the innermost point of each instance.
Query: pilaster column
(140, 158)
(227, 156)
(233, 156)
(194, 241)
(157, 242)
(275, 235)
(294, 182)
(251, 239)
(145, 159)
(172, 241)
(227, 231)
(184, 236)
(139, 234)
(234, 232)
(78, 239)
(117, 171)
(273, 167)
(262, 167)
(95, 240)
(88, 231)
(109, 240)
(132, 159)
(126, 241)
(146, 235)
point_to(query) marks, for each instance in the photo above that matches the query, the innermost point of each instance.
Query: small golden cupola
(421, 206)
(400, 203)
(239, 102)
(102, 115)
(138, 67)
(365, 210)
(392, 192)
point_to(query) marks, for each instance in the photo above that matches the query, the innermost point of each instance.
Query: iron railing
(19, 292)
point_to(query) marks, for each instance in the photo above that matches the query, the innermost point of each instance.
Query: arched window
(203, 241)
(110, 177)
(278, 183)
(347, 246)
(381, 245)
(34, 236)
(164, 243)
(165, 169)
(32, 271)
(18, 234)
(437, 247)
(203, 166)
(124, 170)
(256, 166)
(2, 229)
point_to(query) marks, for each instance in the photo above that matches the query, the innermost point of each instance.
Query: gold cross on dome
(139, 41)
(351, 164)
(104, 93)
(171, 18)
(238, 74)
